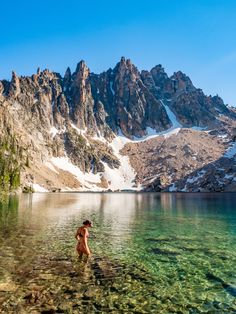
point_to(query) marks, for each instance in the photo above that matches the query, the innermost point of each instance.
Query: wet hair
(87, 222)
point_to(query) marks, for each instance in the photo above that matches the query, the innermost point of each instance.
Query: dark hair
(87, 222)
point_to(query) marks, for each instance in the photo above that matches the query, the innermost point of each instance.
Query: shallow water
(152, 253)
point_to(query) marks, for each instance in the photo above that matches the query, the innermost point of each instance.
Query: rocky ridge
(121, 129)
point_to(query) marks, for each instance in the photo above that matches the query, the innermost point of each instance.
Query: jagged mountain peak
(131, 100)
(47, 75)
(179, 74)
(122, 60)
(67, 74)
(125, 70)
(183, 81)
(158, 69)
(81, 73)
(14, 75)
(14, 89)
(125, 63)
(81, 66)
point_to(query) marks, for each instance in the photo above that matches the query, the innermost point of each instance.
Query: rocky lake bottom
(152, 253)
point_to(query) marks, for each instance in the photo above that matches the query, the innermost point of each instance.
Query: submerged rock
(229, 288)
(164, 252)
(8, 287)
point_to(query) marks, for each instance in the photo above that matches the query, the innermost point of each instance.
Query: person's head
(87, 223)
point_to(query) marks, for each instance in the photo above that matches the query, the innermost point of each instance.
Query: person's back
(80, 233)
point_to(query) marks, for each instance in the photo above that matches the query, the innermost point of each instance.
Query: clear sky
(195, 36)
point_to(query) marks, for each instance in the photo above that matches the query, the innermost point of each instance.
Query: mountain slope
(121, 129)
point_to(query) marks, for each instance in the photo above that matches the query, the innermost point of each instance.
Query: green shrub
(11, 162)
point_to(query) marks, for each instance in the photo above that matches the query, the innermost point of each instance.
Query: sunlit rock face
(120, 129)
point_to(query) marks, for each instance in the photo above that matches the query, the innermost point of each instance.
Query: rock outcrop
(74, 126)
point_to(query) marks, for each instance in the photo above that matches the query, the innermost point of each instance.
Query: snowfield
(88, 180)
(231, 151)
(123, 177)
(118, 178)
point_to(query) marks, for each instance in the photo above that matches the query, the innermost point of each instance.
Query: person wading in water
(82, 235)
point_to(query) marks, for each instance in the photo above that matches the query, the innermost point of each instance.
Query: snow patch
(53, 131)
(198, 176)
(121, 139)
(120, 178)
(193, 179)
(83, 132)
(224, 136)
(170, 132)
(67, 189)
(80, 131)
(123, 177)
(99, 137)
(39, 188)
(172, 116)
(198, 128)
(218, 110)
(228, 176)
(172, 188)
(175, 123)
(89, 180)
(50, 166)
(152, 133)
(231, 151)
(111, 88)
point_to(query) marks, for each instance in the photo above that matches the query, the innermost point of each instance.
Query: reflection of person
(81, 235)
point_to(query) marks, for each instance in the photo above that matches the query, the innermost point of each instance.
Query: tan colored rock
(8, 287)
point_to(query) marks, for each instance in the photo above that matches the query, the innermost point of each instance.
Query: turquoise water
(152, 253)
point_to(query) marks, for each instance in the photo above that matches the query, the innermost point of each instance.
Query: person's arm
(77, 233)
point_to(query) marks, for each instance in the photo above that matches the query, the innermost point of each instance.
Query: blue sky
(195, 36)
